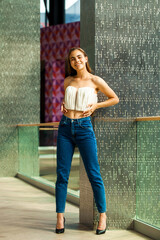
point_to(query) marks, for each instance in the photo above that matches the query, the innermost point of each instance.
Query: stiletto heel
(98, 231)
(61, 230)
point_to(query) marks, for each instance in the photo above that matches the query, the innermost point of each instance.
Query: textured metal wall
(19, 75)
(117, 158)
(87, 35)
(126, 52)
(126, 57)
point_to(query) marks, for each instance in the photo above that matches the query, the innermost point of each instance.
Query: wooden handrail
(153, 118)
(55, 124)
(48, 129)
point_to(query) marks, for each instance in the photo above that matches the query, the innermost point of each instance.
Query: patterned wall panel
(54, 92)
(57, 40)
(55, 44)
(19, 74)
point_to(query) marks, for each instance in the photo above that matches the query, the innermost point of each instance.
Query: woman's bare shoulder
(67, 81)
(97, 80)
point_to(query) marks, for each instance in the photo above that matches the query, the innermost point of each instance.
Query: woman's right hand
(63, 109)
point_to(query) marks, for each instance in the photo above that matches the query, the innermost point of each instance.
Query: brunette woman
(75, 129)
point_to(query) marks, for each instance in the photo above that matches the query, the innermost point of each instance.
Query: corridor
(29, 213)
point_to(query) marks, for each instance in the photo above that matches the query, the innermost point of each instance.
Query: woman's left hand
(90, 109)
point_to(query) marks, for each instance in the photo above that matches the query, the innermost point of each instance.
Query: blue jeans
(78, 132)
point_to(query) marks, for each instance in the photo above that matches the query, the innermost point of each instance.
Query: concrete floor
(29, 213)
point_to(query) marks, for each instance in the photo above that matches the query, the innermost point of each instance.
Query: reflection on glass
(47, 159)
(148, 172)
(37, 155)
(28, 138)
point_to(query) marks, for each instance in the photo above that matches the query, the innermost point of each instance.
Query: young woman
(75, 128)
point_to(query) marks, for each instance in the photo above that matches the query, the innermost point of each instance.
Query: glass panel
(37, 155)
(47, 153)
(28, 151)
(47, 159)
(148, 172)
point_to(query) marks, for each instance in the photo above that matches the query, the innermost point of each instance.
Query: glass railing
(37, 158)
(37, 154)
(148, 172)
(28, 139)
(47, 158)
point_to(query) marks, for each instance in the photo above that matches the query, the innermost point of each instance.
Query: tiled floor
(29, 213)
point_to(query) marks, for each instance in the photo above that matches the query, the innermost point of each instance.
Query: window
(72, 11)
(43, 15)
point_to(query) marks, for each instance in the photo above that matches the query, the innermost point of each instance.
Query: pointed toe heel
(99, 232)
(61, 230)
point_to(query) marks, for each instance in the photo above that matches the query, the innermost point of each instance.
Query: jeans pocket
(63, 122)
(85, 124)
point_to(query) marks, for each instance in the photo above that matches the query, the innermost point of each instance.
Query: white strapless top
(79, 98)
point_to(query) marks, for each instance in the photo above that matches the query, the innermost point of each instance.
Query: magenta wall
(55, 44)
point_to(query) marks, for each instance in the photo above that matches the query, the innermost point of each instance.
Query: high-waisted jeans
(78, 132)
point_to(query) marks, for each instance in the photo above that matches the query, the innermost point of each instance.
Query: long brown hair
(69, 71)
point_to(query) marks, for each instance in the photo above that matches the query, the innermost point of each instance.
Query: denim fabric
(78, 132)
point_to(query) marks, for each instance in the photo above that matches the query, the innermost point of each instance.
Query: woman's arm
(102, 86)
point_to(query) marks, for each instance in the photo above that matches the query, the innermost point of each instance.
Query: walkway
(29, 213)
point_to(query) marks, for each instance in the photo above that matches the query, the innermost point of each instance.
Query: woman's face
(78, 60)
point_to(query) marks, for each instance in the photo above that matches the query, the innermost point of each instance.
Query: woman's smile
(77, 64)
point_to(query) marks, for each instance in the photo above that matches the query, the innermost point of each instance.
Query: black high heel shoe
(98, 231)
(61, 230)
